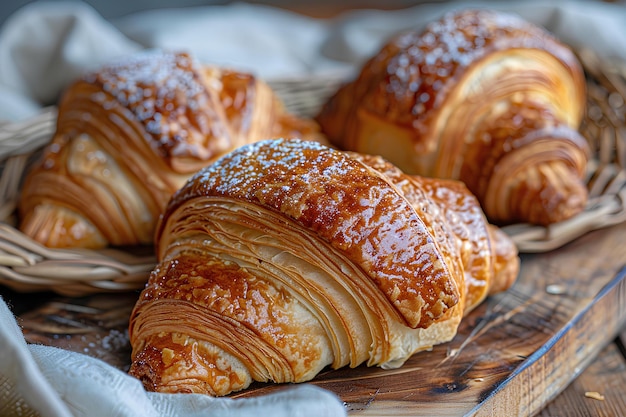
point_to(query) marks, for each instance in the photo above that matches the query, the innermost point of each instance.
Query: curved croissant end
(130, 135)
(473, 95)
(286, 256)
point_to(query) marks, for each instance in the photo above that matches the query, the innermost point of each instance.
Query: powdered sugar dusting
(345, 203)
(163, 91)
(424, 64)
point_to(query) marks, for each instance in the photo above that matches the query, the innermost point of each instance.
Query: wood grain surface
(599, 390)
(511, 356)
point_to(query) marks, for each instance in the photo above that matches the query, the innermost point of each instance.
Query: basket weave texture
(25, 265)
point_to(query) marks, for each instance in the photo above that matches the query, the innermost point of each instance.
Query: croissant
(287, 256)
(479, 96)
(129, 135)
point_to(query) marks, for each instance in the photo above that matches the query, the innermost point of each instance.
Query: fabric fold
(37, 380)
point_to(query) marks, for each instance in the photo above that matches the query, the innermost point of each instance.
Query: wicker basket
(28, 266)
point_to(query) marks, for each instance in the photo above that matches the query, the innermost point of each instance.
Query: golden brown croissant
(479, 96)
(130, 135)
(287, 256)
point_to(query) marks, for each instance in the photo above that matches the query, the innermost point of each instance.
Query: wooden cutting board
(511, 356)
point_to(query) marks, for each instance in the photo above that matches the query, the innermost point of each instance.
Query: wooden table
(551, 346)
(606, 375)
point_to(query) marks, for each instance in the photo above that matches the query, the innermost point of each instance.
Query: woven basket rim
(26, 265)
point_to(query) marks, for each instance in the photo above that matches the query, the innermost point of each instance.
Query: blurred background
(112, 9)
(50, 43)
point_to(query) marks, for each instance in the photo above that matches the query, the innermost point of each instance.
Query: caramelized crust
(465, 99)
(206, 298)
(483, 252)
(286, 256)
(346, 204)
(131, 134)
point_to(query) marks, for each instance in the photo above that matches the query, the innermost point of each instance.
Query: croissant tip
(58, 227)
(560, 206)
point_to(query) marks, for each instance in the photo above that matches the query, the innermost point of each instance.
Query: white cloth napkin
(46, 45)
(58, 383)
